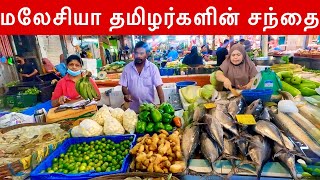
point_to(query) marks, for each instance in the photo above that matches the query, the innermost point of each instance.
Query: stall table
(308, 62)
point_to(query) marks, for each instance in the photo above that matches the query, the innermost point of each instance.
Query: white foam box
(168, 88)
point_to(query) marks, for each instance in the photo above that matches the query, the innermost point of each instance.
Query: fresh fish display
(226, 121)
(260, 152)
(221, 137)
(255, 108)
(198, 114)
(265, 115)
(190, 140)
(287, 158)
(236, 106)
(209, 149)
(268, 129)
(214, 129)
(287, 124)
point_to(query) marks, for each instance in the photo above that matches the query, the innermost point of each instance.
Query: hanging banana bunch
(85, 88)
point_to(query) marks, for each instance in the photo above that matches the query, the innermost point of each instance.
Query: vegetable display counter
(201, 79)
(308, 62)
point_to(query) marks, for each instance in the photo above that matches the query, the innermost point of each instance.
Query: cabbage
(213, 79)
(206, 91)
(190, 93)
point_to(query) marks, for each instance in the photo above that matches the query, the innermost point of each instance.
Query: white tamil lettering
(116, 21)
(311, 21)
(168, 18)
(7, 19)
(41, 19)
(136, 18)
(270, 21)
(254, 19)
(23, 16)
(229, 18)
(205, 18)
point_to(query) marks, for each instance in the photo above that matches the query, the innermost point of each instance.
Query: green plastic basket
(21, 101)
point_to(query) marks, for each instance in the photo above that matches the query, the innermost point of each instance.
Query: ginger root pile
(158, 153)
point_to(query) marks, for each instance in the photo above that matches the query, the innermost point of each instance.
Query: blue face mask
(73, 73)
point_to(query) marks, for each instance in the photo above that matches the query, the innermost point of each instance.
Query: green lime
(114, 162)
(118, 166)
(86, 157)
(103, 168)
(91, 142)
(96, 160)
(62, 155)
(50, 171)
(103, 139)
(113, 169)
(65, 171)
(82, 168)
(109, 158)
(55, 160)
(98, 169)
(84, 164)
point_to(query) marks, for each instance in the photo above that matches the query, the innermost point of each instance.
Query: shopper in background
(237, 71)
(193, 59)
(48, 66)
(62, 59)
(222, 52)
(26, 70)
(242, 41)
(66, 87)
(173, 54)
(205, 52)
(247, 45)
(139, 78)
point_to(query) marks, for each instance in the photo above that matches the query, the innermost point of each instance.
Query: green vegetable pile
(311, 172)
(100, 156)
(32, 91)
(11, 84)
(152, 119)
(296, 85)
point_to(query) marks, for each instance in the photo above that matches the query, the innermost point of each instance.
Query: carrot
(177, 121)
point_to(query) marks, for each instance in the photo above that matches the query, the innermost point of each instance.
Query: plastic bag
(130, 120)
(112, 126)
(14, 119)
(287, 106)
(100, 116)
(87, 128)
(117, 113)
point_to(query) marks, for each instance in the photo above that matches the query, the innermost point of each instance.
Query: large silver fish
(214, 129)
(198, 114)
(265, 115)
(268, 129)
(226, 121)
(209, 149)
(287, 158)
(259, 151)
(190, 140)
(236, 106)
(290, 126)
(255, 108)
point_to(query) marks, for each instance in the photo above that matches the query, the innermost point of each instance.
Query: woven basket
(15, 167)
(135, 174)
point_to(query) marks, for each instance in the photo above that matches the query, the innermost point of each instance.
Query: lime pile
(100, 156)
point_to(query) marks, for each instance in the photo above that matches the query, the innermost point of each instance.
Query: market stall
(238, 130)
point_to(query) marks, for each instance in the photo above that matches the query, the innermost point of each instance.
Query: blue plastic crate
(183, 84)
(166, 71)
(254, 94)
(36, 173)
